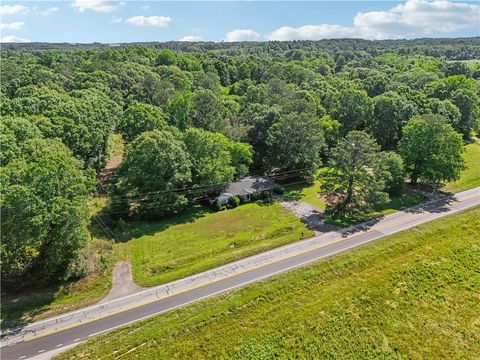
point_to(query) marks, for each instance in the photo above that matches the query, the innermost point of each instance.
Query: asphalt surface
(398, 222)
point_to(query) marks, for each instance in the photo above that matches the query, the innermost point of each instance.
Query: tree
(259, 118)
(391, 112)
(44, 213)
(395, 172)
(216, 159)
(207, 81)
(447, 109)
(139, 118)
(83, 119)
(353, 108)
(179, 106)
(294, 143)
(166, 57)
(242, 157)
(155, 164)
(206, 112)
(14, 132)
(468, 104)
(355, 179)
(210, 157)
(431, 150)
(462, 92)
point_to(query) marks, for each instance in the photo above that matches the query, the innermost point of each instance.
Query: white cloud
(12, 39)
(13, 9)
(116, 20)
(311, 32)
(242, 35)
(50, 11)
(191, 38)
(12, 26)
(96, 5)
(159, 21)
(415, 18)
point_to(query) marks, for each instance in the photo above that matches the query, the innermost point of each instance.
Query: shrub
(233, 202)
(217, 206)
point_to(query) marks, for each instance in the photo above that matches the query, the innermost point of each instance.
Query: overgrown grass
(409, 295)
(201, 240)
(116, 145)
(470, 177)
(38, 303)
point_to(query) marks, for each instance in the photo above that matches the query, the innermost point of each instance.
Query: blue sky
(114, 21)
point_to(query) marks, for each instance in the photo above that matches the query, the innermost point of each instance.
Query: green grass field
(470, 177)
(201, 240)
(410, 295)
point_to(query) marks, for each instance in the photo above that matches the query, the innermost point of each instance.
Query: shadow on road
(361, 227)
(440, 205)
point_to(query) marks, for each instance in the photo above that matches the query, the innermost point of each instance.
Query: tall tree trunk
(349, 196)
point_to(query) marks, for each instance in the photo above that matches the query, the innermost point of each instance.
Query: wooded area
(196, 116)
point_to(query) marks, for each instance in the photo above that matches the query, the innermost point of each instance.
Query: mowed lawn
(201, 240)
(470, 176)
(412, 295)
(306, 192)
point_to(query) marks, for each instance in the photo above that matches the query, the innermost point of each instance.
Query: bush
(233, 202)
(267, 196)
(279, 190)
(217, 206)
(121, 225)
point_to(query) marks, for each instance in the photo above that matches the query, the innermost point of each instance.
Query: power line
(106, 229)
(195, 201)
(211, 187)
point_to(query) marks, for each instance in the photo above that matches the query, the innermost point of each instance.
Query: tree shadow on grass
(293, 192)
(124, 231)
(20, 306)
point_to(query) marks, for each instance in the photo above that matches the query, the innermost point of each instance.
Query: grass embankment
(163, 251)
(410, 295)
(470, 176)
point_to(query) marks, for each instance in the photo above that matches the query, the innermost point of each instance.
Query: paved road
(221, 279)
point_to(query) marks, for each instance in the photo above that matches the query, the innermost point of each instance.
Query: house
(245, 187)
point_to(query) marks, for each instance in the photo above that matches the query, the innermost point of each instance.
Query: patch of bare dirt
(122, 282)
